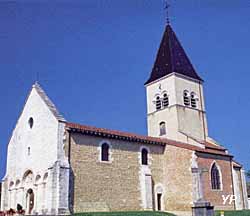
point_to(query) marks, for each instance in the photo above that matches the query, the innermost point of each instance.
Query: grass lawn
(235, 213)
(142, 213)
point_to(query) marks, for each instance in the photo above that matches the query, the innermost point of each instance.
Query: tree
(248, 174)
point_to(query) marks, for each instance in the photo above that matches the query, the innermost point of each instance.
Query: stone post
(244, 188)
(201, 207)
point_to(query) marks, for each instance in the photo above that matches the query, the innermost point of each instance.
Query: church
(57, 167)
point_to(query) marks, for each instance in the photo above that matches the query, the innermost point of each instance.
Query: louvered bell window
(186, 98)
(193, 100)
(158, 103)
(165, 101)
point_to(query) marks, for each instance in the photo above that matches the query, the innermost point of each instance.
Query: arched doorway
(159, 197)
(30, 201)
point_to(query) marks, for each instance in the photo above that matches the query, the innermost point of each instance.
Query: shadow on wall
(85, 140)
(71, 191)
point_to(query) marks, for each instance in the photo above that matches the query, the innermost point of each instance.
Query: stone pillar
(197, 184)
(52, 189)
(4, 196)
(201, 207)
(10, 198)
(23, 198)
(244, 189)
(14, 198)
(63, 201)
(36, 208)
(146, 188)
(149, 192)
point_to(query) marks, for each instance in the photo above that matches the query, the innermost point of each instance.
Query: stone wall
(205, 162)
(178, 179)
(238, 189)
(104, 186)
(121, 184)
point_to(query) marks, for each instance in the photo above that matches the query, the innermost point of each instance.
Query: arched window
(45, 177)
(215, 178)
(165, 101)
(18, 182)
(162, 128)
(11, 185)
(186, 98)
(31, 122)
(38, 179)
(193, 100)
(105, 152)
(158, 103)
(144, 156)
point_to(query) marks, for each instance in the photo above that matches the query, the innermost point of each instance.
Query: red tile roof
(236, 164)
(114, 134)
(213, 146)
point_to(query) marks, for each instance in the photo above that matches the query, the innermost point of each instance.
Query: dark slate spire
(171, 57)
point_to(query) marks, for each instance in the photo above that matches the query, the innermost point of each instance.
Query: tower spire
(171, 58)
(167, 6)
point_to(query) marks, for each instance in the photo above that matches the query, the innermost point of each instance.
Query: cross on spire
(167, 6)
(37, 76)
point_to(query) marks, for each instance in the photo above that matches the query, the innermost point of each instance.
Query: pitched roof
(213, 146)
(236, 164)
(48, 102)
(171, 57)
(114, 134)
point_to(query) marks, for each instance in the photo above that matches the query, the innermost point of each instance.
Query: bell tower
(175, 100)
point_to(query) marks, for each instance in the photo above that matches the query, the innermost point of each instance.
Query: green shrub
(234, 213)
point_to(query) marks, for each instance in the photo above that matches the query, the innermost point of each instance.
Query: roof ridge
(48, 102)
(170, 47)
(92, 130)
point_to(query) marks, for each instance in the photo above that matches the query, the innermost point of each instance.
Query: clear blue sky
(93, 57)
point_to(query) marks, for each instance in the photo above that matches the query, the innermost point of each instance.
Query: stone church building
(57, 167)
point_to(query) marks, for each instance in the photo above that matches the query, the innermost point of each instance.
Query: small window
(165, 101)
(18, 183)
(28, 151)
(186, 98)
(215, 178)
(162, 128)
(193, 100)
(45, 177)
(144, 156)
(158, 103)
(105, 152)
(31, 122)
(11, 185)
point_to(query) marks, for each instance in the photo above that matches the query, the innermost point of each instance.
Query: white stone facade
(37, 171)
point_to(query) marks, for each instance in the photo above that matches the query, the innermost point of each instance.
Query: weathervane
(167, 6)
(37, 76)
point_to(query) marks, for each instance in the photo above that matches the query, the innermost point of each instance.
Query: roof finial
(167, 6)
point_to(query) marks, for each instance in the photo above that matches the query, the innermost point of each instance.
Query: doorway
(159, 197)
(30, 201)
